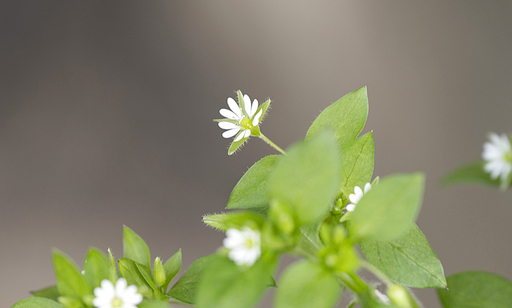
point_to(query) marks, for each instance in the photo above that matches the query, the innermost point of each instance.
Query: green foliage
(407, 260)
(470, 173)
(224, 284)
(306, 284)
(135, 247)
(96, 267)
(307, 177)
(172, 266)
(185, 288)
(389, 208)
(69, 280)
(48, 292)
(251, 189)
(357, 162)
(225, 221)
(37, 302)
(476, 289)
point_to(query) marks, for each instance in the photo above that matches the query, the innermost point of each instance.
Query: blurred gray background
(106, 115)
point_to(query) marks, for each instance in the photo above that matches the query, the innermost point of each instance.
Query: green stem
(377, 272)
(271, 143)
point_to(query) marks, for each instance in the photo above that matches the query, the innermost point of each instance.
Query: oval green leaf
(96, 267)
(476, 289)
(185, 288)
(172, 266)
(470, 173)
(357, 162)
(69, 280)
(389, 208)
(408, 260)
(37, 302)
(135, 248)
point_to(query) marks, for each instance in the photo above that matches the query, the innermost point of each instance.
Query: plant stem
(272, 144)
(377, 272)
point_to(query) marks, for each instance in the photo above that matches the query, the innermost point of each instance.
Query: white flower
(122, 296)
(357, 195)
(498, 157)
(244, 245)
(242, 117)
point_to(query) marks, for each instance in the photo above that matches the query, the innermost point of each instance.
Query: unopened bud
(159, 272)
(399, 295)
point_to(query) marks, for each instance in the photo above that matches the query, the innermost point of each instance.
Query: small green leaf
(71, 302)
(69, 280)
(389, 208)
(251, 190)
(307, 177)
(135, 248)
(224, 284)
(225, 221)
(96, 267)
(306, 284)
(263, 107)
(146, 274)
(236, 144)
(357, 162)
(476, 289)
(345, 117)
(112, 270)
(37, 302)
(152, 304)
(407, 260)
(172, 267)
(49, 292)
(470, 173)
(131, 273)
(185, 288)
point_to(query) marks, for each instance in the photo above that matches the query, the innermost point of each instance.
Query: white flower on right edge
(244, 245)
(121, 295)
(356, 196)
(498, 157)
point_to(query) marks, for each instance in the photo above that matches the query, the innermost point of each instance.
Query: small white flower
(357, 195)
(241, 118)
(498, 157)
(122, 296)
(244, 245)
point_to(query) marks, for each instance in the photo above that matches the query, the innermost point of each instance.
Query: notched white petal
(230, 133)
(227, 125)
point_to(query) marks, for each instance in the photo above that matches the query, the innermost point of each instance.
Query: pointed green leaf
(49, 292)
(185, 288)
(112, 270)
(251, 190)
(135, 248)
(172, 267)
(146, 274)
(476, 289)
(131, 273)
(307, 177)
(224, 284)
(236, 144)
(357, 162)
(96, 267)
(71, 302)
(263, 107)
(153, 304)
(407, 260)
(389, 208)
(69, 280)
(304, 285)
(225, 221)
(37, 302)
(345, 117)
(470, 173)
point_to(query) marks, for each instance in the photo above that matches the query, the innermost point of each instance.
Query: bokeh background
(106, 112)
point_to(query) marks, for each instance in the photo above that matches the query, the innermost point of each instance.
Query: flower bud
(159, 272)
(399, 295)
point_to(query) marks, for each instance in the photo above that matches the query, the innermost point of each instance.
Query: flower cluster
(244, 245)
(497, 155)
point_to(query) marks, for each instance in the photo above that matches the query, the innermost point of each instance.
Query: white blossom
(118, 296)
(357, 195)
(241, 118)
(244, 245)
(498, 157)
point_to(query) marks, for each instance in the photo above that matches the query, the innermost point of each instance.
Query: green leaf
(152, 304)
(37, 302)
(389, 208)
(96, 267)
(470, 173)
(146, 274)
(172, 267)
(407, 260)
(69, 280)
(235, 220)
(357, 162)
(236, 144)
(263, 107)
(345, 117)
(476, 289)
(185, 288)
(306, 284)
(49, 292)
(224, 284)
(369, 299)
(307, 177)
(251, 190)
(71, 302)
(135, 248)
(131, 273)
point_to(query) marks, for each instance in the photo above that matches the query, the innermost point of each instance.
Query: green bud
(338, 235)
(159, 272)
(325, 234)
(399, 295)
(331, 260)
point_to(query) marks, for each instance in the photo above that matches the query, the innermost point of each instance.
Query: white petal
(254, 107)
(239, 137)
(234, 107)
(247, 104)
(353, 198)
(247, 133)
(228, 114)
(230, 133)
(256, 119)
(367, 187)
(358, 191)
(350, 207)
(227, 125)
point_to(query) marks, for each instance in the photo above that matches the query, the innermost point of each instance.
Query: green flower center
(246, 123)
(117, 302)
(249, 243)
(508, 157)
